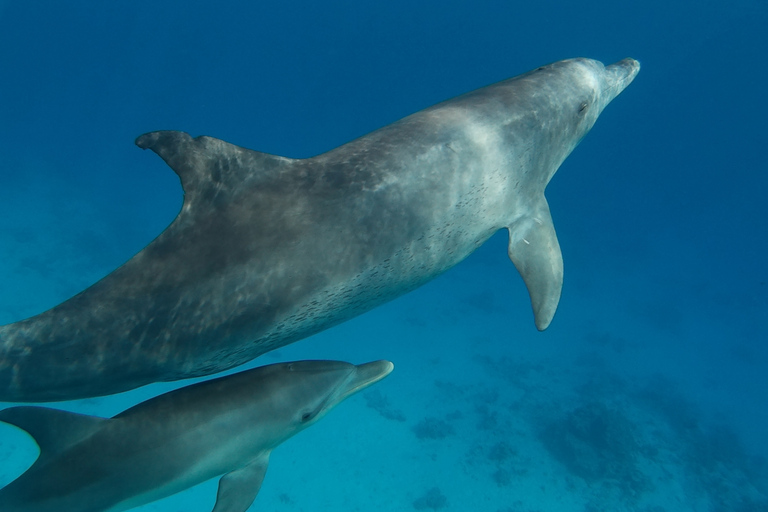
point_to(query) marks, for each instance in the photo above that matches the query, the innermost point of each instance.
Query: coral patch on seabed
(598, 444)
(569, 434)
(377, 401)
(433, 499)
(433, 428)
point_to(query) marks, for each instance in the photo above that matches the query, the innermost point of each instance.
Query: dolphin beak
(367, 374)
(618, 76)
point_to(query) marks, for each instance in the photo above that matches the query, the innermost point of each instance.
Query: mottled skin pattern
(226, 426)
(268, 250)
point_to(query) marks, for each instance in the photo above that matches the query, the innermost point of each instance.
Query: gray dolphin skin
(226, 426)
(268, 250)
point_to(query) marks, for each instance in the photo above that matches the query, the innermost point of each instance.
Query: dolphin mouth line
(368, 374)
(621, 74)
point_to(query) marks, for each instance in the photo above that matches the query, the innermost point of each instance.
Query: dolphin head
(299, 393)
(565, 99)
(596, 86)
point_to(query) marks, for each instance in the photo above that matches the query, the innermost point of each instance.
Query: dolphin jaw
(366, 375)
(617, 77)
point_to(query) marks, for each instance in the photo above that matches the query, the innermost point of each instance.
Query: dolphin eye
(306, 417)
(583, 107)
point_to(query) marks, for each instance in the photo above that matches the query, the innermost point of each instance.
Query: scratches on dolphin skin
(268, 250)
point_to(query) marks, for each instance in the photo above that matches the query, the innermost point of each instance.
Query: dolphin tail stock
(535, 251)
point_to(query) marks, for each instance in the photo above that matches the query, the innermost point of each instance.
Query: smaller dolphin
(226, 426)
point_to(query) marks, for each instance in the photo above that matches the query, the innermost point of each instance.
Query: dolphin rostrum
(226, 426)
(268, 250)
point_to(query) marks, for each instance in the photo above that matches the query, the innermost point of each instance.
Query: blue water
(648, 393)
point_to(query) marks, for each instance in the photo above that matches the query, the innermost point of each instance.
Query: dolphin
(226, 426)
(268, 250)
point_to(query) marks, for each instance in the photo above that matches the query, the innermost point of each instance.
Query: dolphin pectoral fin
(535, 251)
(52, 429)
(238, 489)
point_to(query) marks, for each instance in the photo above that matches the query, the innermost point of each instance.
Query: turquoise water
(647, 393)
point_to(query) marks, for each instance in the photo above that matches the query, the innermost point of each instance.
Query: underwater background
(649, 391)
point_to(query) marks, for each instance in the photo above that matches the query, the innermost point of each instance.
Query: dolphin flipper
(238, 489)
(535, 251)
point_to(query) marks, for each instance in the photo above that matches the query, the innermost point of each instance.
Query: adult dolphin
(226, 426)
(268, 250)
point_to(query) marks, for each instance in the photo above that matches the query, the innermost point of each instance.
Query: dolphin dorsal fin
(53, 430)
(238, 489)
(208, 168)
(535, 251)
